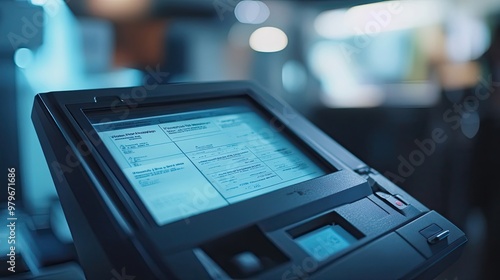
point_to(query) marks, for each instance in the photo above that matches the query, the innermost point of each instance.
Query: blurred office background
(378, 76)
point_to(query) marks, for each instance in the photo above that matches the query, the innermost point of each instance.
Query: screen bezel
(209, 224)
(186, 106)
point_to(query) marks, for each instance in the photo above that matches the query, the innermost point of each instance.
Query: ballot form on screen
(188, 163)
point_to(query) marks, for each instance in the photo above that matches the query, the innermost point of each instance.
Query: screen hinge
(365, 172)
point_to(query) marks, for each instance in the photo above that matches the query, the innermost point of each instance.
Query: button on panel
(431, 234)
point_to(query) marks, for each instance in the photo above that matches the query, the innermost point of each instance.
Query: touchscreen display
(186, 163)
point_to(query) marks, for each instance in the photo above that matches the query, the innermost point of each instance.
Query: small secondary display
(325, 242)
(187, 163)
